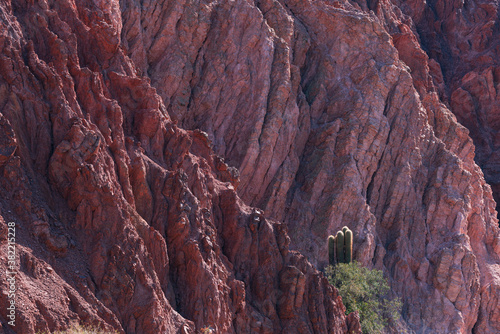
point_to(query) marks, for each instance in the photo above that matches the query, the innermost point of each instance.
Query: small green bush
(207, 330)
(365, 291)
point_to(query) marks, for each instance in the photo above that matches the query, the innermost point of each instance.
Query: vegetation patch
(78, 329)
(367, 292)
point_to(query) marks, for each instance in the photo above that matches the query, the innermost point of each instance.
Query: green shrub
(365, 291)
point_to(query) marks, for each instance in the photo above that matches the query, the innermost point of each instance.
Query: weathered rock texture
(124, 220)
(333, 115)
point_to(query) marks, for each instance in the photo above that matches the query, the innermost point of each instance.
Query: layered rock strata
(335, 115)
(333, 112)
(125, 221)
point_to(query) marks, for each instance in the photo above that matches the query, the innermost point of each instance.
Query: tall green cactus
(340, 247)
(331, 250)
(348, 246)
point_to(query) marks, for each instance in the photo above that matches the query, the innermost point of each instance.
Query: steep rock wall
(335, 115)
(124, 220)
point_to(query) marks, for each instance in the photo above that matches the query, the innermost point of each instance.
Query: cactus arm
(348, 240)
(340, 247)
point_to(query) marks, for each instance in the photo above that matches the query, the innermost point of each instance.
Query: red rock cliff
(123, 219)
(332, 113)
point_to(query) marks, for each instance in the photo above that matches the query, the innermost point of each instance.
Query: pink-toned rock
(141, 137)
(124, 220)
(341, 118)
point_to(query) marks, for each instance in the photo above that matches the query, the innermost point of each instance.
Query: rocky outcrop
(125, 221)
(461, 40)
(314, 115)
(459, 67)
(334, 114)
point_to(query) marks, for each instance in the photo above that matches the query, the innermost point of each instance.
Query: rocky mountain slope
(124, 220)
(315, 115)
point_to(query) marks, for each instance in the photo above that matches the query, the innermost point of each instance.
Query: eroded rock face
(335, 115)
(332, 114)
(124, 220)
(461, 40)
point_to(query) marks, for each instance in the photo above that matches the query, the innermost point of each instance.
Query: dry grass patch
(78, 329)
